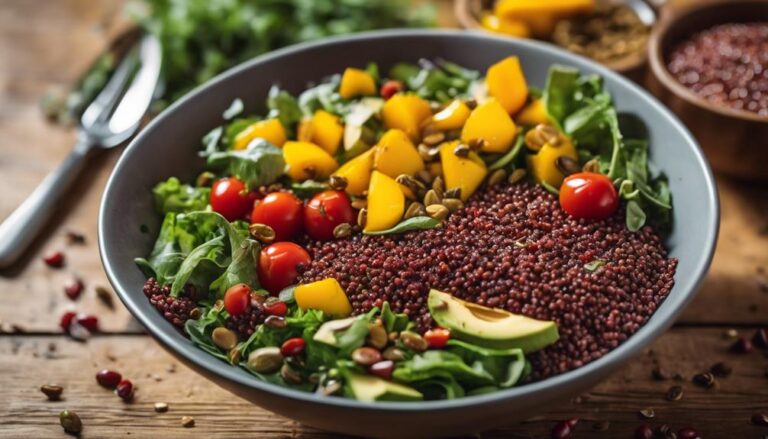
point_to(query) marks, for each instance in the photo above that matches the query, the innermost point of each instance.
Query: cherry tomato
(390, 88)
(277, 265)
(292, 347)
(282, 211)
(325, 211)
(230, 198)
(589, 195)
(237, 299)
(437, 338)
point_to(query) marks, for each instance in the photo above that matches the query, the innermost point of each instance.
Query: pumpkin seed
(437, 211)
(366, 356)
(52, 392)
(331, 387)
(290, 375)
(706, 380)
(415, 209)
(471, 104)
(265, 360)
(540, 135)
(425, 176)
(427, 153)
(477, 144)
(413, 341)
(453, 193)
(647, 413)
(433, 139)
(411, 183)
(234, 356)
(516, 176)
(461, 150)
(187, 421)
(675, 393)
(453, 204)
(224, 338)
(362, 216)
(262, 233)
(591, 166)
(161, 407)
(205, 179)
(393, 354)
(377, 336)
(359, 203)
(337, 182)
(343, 230)
(195, 313)
(496, 177)
(567, 165)
(70, 422)
(438, 186)
(431, 198)
(275, 322)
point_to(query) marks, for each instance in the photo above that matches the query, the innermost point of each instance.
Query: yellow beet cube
(534, 113)
(406, 112)
(325, 295)
(356, 82)
(270, 130)
(506, 26)
(506, 82)
(451, 117)
(323, 129)
(543, 165)
(466, 174)
(490, 122)
(357, 172)
(386, 203)
(395, 155)
(305, 160)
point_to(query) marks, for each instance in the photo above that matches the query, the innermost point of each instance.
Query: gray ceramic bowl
(169, 145)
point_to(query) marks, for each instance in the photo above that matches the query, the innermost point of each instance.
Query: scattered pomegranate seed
(275, 308)
(89, 322)
(124, 390)
(382, 369)
(688, 433)
(564, 429)
(390, 88)
(66, 321)
(73, 289)
(292, 347)
(54, 260)
(742, 346)
(108, 378)
(644, 432)
(437, 338)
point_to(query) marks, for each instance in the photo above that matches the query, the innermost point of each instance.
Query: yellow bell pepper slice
(490, 122)
(451, 117)
(406, 112)
(543, 167)
(395, 155)
(466, 174)
(386, 203)
(323, 129)
(357, 172)
(325, 295)
(356, 82)
(534, 113)
(305, 160)
(506, 82)
(270, 130)
(505, 26)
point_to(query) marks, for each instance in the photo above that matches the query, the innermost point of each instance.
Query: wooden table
(48, 43)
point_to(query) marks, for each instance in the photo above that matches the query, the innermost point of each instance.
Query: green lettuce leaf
(173, 196)
(261, 163)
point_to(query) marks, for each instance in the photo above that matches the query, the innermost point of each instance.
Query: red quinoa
(175, 309)
(513, 247)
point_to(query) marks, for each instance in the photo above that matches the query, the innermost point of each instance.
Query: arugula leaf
(353, 337)
(308, 188)
(394, 321)
(442, 363)
(260, 164)
(510, 156)
(505, 365)
(635, 216)
(415, 223)
(165, 258)
(242, 268)
(439, 80)
(199, 331)
(560, 91)
(172, 196)
(284, 107)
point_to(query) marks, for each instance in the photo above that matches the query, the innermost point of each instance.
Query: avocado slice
(370, 388)
(490, 327)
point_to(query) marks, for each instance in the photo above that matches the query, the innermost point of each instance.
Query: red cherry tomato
(437, 337)
(292, 347)
(325, 211)
(277, 265)
(282, 211)
(230, 198)
(390, 88)
(237, 299)
(588, 195)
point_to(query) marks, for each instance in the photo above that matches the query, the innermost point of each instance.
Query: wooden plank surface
(27, 362)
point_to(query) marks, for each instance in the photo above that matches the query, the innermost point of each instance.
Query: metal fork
(112, 118)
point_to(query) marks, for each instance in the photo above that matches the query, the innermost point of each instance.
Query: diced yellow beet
(506, 82)
(534, 113)
(451, 117)
(386, 203)
(505, 25)
(325, 295)
(543, 167)
(323, 129)
(305, 160)
(525, 9)
(490, 122)
(406, 112)
(395, 155)
(357, 172)
(464, 173)
(270, 130)
(356, 82)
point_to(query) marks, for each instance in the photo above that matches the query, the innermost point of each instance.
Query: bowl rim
(659, 68)
(200, 360)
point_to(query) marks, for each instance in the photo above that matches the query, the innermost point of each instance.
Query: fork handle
(26, 222)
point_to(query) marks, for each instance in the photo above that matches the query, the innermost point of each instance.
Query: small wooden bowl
(735, 142)
(468, 13)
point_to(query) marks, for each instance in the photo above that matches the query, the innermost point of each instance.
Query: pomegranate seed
(390, 88)
(382, 369)
(124, 390)
(644, 432)
(66, 321)
(688, 433)
(292, 347)
(73, 289)
(742, 346)
(275, 308)
(54, 260)
(108, 378)
(88, 321)
(563, 429)
(437, 338)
